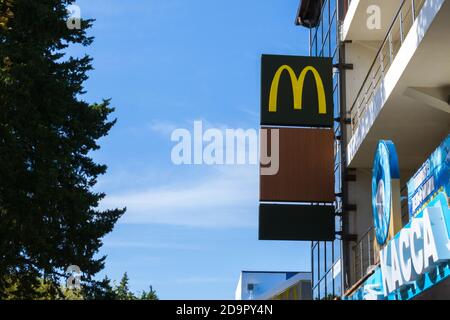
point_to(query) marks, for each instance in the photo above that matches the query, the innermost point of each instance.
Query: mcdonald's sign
(296, 91)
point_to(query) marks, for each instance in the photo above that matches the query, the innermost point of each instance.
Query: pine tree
(49, 216)
(122, 291)
(150, 295)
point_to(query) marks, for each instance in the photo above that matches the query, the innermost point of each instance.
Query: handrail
(378, 52)
(364, 255)
(355, 111)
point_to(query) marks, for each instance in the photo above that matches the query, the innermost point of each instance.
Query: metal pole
(362, 260)
(382, 64)
(401, 25)
(391, 53)
(373, 81)
(343, 115)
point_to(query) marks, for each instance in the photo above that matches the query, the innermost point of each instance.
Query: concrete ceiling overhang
(362, 11)
(416, 125)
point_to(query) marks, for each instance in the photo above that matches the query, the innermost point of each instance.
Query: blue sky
(189, 230)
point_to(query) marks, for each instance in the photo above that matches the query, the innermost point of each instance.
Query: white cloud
(250, 112)
(164, 128)
(227, 197)
(200, 279)
(194, 280)
(119, 244)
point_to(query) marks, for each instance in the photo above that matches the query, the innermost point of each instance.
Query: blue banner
(374, 288)
(432, 177)
(418, 257)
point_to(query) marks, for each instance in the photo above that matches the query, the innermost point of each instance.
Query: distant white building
(267, 285)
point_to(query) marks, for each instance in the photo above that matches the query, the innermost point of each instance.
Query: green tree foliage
(122, 291)
(48, 211)
(150, 295)
(5, 13)
(44, 291)
(108, 291)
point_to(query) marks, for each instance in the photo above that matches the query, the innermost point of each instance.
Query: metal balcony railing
(400, 27)
(364, 255)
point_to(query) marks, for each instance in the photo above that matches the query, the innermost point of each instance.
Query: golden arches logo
(297, 88)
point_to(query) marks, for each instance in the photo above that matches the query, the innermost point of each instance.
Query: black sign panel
(296, 91)
(289, 222)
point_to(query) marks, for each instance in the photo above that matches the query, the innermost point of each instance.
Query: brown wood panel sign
(305, 168)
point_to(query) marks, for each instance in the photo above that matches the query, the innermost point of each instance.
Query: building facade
(391, 82)
(327, 257)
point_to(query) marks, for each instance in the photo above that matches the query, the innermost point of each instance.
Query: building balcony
(358, 13)
(404, 96)
(364, 254)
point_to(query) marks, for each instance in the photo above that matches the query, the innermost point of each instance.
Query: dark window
(330, 287)
(338, 284)
(324, 39)
(322, 290)
(322, 259)
(315, 266)
(329, 255)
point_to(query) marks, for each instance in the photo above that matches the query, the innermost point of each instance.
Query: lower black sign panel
(288, 222)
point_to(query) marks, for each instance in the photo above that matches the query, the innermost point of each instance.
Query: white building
(262, 285)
